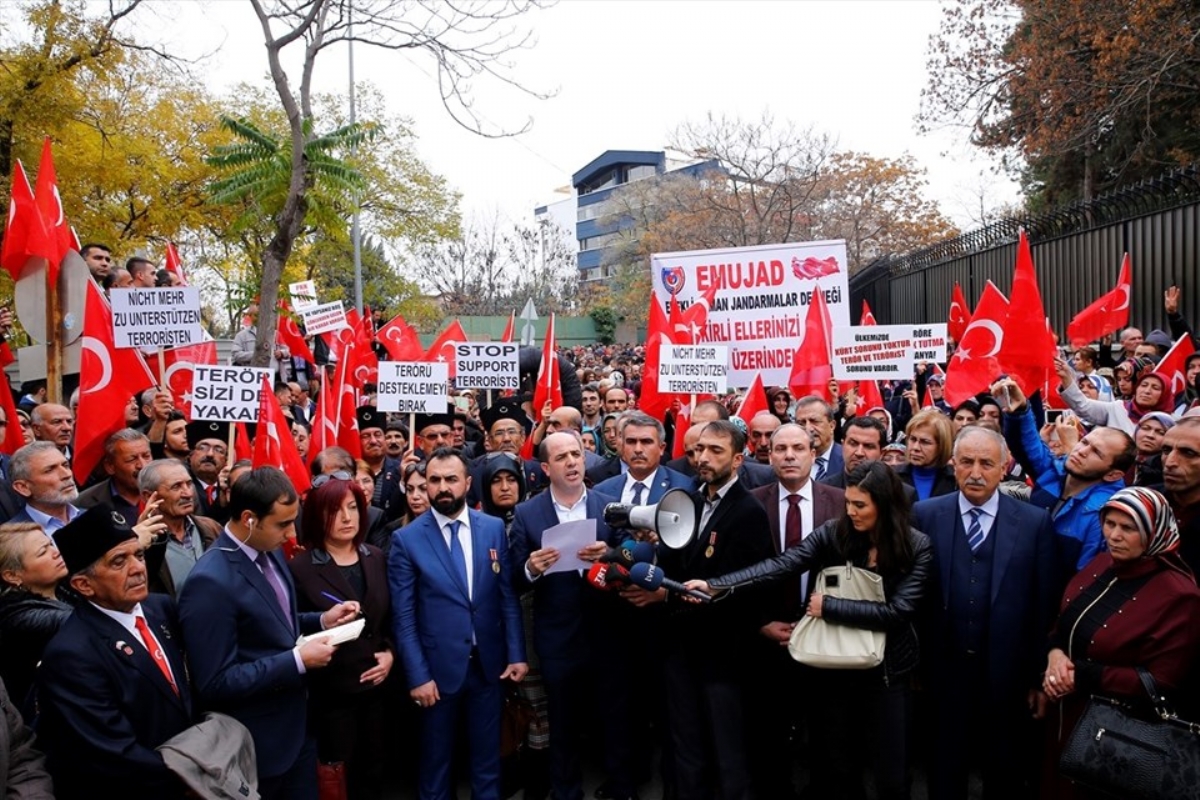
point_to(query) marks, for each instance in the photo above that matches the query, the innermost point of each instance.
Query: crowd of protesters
(182, 581)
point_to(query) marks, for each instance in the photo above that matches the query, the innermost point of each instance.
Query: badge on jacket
(495, 560)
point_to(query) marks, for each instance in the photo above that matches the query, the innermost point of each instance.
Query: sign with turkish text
(226, 393)
(693, 368)
(162, 317)
(324, 318)
(885, 352)
(304, 294)
(413, 387)
(487, 365)
(759, 299)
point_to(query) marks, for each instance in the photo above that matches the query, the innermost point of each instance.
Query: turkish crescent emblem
(12, 212)
(990, 325)
(1124, 290)
(169, 375)
(956, 312)
(97, 348)
(394, 334)
(58, 202)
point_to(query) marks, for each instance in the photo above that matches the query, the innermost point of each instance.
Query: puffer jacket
(27, 623)
(904, 592)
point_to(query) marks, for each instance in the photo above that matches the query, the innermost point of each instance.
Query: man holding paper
(240, 630)
(571, 620)
(457, 626)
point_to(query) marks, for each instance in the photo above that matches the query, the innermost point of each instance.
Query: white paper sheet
(568, 538)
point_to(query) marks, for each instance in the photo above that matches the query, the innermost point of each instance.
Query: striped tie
(975, 535)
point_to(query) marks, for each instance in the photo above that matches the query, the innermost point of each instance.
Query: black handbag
(1140, 756)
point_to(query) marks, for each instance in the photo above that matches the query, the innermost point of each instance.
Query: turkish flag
(175, 265)
(14, 437)
(695, 318)
(754, 401)
(273, 443)
(683, 422)
(242, 449)
(402, 341)
(442, 348)
(657, 334)
(1107, 314)
(960, 315)
(287, 333)
(325, 419)
(347, 404)
(1027, 356)
(108, 377)
(677, 326)
(180, 371)
(358, 351)
(49, 203)
(510, 330)
(869, 395)
(974, 365)
(549, 381)
(1174, 364)
(811, 366)
(25, 235)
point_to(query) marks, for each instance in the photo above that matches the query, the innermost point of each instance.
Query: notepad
(339, 635)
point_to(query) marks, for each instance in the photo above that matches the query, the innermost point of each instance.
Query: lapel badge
(124, 648)
(495, 560)
(166, 632)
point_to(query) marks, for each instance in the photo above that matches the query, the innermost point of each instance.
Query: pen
(337, 600)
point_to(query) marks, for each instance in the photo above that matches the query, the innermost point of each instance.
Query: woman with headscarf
(779, 401)
(1148, 438)
(1151, 392)
(1133, 606)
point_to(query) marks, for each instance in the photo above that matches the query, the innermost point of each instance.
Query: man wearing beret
(112, 684)
(504, 423)
(209, 443)
(388, 496)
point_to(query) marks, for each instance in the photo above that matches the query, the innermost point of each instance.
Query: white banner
(324, 318)
(693, 368)
(413, 387)
(885, 352)
(304, 294)
(162, 317)
(227, 394)
(487, 365)
(760, 298)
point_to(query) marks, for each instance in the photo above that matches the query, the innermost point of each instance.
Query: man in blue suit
(572, 622)
(642, 441)
(240, 628)
(112, 682)
(458, 626)
(990, 610)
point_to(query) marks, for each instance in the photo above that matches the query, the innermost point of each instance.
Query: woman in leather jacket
(30, 612)
(859, 715)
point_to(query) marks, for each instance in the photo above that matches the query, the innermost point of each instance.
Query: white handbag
(819, 643)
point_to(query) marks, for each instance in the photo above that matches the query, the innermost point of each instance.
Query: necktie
(638, 488)
(156, 652)
(281, 595)
(975, 535)
(211, 494)
(457, 557)
(791, 525)
(822, 464)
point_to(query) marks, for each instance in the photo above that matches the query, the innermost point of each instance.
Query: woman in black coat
(861, 717)
(30, 611)
(346, 699)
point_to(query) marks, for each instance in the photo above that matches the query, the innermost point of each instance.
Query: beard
(447, 504)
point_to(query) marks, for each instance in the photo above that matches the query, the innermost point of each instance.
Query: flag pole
(54, 387)
(162, 369)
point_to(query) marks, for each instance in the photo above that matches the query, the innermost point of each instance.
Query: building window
(596, 242)
(642, 171)
(588, 212)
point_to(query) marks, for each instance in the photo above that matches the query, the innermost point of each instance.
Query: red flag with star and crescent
(26, 235)
(49, 203)
(960, 315)
(811, 365)
(401, 340)
(974, 365)
(273, 443)
(442, 348)
(1174, 364)
(1107, 314)
(869, 395)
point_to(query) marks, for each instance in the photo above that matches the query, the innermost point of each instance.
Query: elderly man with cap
(387, 471)
(112, 685)
(504, 424)
(209, 443)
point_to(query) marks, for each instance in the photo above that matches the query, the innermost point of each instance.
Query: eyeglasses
(418, 468)
(204, 447)
(340, 475)
(508, 433)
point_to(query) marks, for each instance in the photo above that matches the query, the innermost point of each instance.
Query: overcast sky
(625, 73)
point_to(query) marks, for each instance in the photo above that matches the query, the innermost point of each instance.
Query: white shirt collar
(990, 507)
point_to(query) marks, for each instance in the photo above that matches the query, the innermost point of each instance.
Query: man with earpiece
(240, 629)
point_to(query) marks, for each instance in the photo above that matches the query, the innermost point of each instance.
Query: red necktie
(211, 492)
(155, 649)
(791, 525)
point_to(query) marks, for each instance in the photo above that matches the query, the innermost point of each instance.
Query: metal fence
(1077, 253)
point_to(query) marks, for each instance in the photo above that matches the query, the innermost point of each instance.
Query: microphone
(617, 575)
(651, 578)
(630, 552)
(597, 577)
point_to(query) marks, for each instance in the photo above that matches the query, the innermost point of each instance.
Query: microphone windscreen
(646, 576)
(642, 552)
(597, 575)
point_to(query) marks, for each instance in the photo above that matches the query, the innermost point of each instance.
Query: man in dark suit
(112, 682)
(994, 600)
(458, 626)
(126, 452)
(239, 620)
(570, 619)
(708, 646)
(209, 443)
(751, 474)
(646, 480)
(863, 440)
(795, 506)
(817, 417)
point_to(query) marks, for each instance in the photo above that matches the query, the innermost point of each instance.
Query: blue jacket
(1077, 522)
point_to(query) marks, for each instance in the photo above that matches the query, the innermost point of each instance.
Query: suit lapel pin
(495, 560)
(166, 632)
(124, 648)
(712, 544)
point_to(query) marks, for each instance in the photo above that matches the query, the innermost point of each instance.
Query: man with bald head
(751, 474)
(761, 427)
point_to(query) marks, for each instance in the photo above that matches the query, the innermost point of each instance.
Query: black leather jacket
(904, 592)
(27, 623)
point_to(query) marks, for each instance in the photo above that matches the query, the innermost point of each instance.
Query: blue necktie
(638, 488)
(975, 535)
(457, 557)
(822, 465)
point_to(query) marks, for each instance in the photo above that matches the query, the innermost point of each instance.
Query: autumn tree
(464, 41)
(1077, 96)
